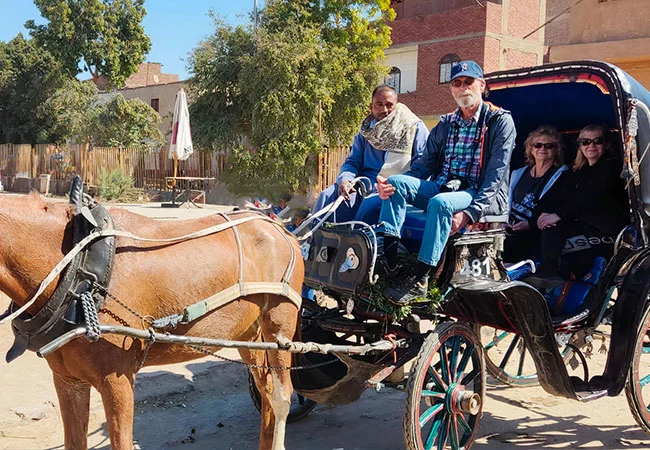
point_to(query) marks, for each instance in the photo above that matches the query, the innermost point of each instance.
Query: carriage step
(586, 392)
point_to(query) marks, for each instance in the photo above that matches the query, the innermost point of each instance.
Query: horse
(152, 280)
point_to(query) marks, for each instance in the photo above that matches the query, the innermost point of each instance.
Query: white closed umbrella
(181, 146)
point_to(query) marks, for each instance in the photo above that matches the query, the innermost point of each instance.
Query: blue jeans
(440, 208)
(357, 208)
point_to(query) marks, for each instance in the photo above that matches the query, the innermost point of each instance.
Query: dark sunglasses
(546, 145)
(458, 82)
(587, 141)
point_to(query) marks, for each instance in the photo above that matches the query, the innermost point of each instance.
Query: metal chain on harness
(90, 314)
(150, 342)
(152, 322)
(257, 366)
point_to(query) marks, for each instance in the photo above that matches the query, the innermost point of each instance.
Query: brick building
(148, 74)
(430, 36)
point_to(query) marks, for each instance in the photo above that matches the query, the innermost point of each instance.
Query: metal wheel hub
(458, 400)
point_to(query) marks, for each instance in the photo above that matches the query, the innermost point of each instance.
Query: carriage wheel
(506, 357)
(445, 390)
(300, 406)
(637, 388)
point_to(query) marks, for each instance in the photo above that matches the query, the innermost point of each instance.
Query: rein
(118, 233)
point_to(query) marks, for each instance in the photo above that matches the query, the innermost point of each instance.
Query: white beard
(466, 101)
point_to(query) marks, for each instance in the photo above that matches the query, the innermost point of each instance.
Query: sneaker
(384, 269)
(410, 290)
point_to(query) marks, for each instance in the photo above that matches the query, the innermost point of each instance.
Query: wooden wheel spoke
(462, 365)
(463, 424)
(453, 363)
(431, 413)
(444, 363)
(471, 377)
(433, 372)
(444, 434)
(453, 432)
(508, 353)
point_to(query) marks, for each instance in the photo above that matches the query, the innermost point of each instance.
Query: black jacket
(594, 195)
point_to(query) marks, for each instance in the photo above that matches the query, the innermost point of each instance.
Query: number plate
(477, 267)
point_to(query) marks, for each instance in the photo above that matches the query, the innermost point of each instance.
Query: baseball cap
(467, 68)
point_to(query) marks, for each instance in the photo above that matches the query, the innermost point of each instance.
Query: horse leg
(274, 395)
(118, 399)
(74, 403)
(280, 318)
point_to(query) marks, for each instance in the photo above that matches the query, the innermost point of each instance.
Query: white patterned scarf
(393, 134)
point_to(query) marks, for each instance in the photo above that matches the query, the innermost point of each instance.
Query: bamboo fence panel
(329, 164)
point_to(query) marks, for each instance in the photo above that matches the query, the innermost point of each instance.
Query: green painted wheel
(637, 389)
(506, 357)
(445, 390)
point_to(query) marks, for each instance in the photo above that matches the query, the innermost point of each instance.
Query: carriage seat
(416, 220)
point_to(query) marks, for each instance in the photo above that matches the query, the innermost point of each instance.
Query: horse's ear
(76, 191)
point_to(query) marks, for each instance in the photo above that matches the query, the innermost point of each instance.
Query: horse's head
(34, 236)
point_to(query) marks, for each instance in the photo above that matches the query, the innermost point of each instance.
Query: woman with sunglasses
(587, 208)
(543, 152)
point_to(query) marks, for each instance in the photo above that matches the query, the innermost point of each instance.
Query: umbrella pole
(175, 156)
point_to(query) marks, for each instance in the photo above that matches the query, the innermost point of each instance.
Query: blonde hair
(581, 159)
(543, 130)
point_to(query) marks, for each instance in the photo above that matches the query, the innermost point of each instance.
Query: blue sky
(174, 26)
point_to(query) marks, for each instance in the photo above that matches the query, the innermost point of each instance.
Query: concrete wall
(615, 31)
(612, 20)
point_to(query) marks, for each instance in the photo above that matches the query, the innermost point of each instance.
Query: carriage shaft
(282, 343)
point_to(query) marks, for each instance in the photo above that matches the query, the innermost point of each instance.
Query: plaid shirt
(462, 155)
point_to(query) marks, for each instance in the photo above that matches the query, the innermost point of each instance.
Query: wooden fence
(148, 168)
(329, 164)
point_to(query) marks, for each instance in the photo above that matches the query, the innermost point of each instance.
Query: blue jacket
(492, 195)
(365, 161)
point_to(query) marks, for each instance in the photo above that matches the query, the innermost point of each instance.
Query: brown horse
(155, 280)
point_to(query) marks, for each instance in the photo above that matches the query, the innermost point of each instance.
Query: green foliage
(67, 112)
(106, 36)
(261, 95)
(126, 123)
(28, 76)
(117, 185)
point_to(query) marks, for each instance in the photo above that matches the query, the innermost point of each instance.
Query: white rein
(103, 233)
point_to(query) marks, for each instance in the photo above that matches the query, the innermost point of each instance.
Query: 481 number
(476, 267)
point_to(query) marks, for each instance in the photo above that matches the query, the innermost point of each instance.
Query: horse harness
(83, 286)
(64, 310)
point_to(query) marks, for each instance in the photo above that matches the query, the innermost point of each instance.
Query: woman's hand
(384, 188)
(520, 226)
(547, 220)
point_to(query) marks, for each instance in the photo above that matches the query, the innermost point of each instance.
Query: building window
(394, 79)
(155, 104)
(446, 63)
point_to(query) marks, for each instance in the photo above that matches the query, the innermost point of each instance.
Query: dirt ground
(204, 404)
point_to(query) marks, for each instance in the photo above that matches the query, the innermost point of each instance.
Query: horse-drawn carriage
(115, 292)
(485, 321)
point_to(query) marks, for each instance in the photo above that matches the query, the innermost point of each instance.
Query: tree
(67, 112)
(28, 76)
(126, 123)
(308, 59)
(105, 37)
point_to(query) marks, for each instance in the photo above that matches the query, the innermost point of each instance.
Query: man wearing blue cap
(466, 160)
